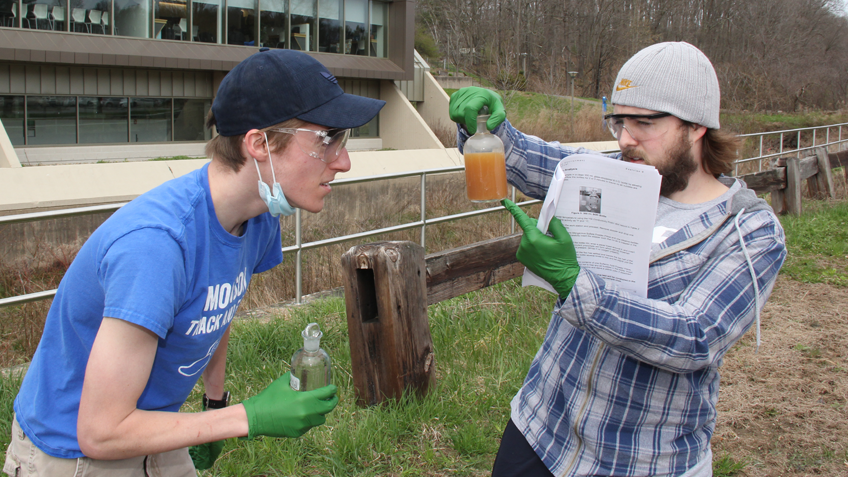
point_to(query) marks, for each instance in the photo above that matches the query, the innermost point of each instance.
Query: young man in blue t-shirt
(144, 310)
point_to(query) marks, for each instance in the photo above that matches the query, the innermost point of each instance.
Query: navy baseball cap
(273, 86)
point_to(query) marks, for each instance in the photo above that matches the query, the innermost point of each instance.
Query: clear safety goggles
(641, 127)
(325, 145)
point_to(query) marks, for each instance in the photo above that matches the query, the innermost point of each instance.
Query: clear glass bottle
(485, 167)
(311, 367)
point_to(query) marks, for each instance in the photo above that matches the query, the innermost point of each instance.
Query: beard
(676, 167)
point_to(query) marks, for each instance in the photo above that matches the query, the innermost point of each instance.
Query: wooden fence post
(391, 348)
(778, 202)
(825, 175)
(793, 185)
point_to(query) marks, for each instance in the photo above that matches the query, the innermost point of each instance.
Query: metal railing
(299, 246)
(798, 149)
(421, 223)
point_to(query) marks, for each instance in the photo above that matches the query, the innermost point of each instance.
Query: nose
(342, 164)
(625, 140)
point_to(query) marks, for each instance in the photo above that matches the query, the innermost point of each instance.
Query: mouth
(631, 158)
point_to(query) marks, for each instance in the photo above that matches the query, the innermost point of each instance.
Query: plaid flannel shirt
(628, 386)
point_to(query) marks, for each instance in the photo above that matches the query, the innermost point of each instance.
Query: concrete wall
(8, 157)
(401, 127)
(454, 82)
(434, 108)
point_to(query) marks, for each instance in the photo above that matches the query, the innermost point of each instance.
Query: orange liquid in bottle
(485, 176)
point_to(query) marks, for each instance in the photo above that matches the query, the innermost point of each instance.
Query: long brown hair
(720, 150)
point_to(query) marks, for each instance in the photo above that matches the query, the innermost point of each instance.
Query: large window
(90, 16)
(102, 120)
(132, 18)
(150, 120)
(37, 14)
(12, 116)
(241, 22)
(303, 25)
(170, 20)
(51, 120)
(352, 27)
(189, 117)
(272, 23)
(207, 21)
(356, 35)
(379, 20)
(329, 26)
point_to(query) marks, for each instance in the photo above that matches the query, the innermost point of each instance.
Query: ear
(253, 145)
(696, 132)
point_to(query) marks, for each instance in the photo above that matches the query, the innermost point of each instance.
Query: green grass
(727, 466)
(483, 343)
(817, 244)
(174, 158)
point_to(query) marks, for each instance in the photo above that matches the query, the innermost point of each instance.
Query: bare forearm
(151, 432)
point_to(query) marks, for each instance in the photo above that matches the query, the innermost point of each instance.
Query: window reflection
(308, 25)
(9, 13)
(102, 119)
(356, 39)
(329, 25)
(241, 22)
(170, 20)
(207, 21)
(379, 20)
(302, 25)
(132, 18)
(272, 22)
(90, 16)
(150, 119)
(36, 14)
(12, 116)
(51, 120)
(189, 116)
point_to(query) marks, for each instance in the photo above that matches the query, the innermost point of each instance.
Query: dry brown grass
(349, 209)
(784, 410)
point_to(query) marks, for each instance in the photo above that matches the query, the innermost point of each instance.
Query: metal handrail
(798, 149)
(299, 246)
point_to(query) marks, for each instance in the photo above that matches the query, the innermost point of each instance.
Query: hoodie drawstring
(753, 276)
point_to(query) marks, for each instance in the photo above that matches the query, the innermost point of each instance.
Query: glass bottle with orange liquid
(485, 167)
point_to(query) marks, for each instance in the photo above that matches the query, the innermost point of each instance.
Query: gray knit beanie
(671, 77)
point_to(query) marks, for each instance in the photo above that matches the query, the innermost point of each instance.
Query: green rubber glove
(465, 104)
(280, 411)
(553, 259)
(204, 455)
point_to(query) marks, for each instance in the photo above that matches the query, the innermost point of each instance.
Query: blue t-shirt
(163, 262)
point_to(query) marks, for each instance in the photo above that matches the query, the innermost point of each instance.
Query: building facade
(124, 73)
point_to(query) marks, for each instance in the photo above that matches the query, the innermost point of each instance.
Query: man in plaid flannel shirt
(624, 385)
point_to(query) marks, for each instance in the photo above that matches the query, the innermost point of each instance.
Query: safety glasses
(325, 145)
(641, 127)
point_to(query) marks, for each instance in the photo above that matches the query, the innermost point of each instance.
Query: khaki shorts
(23, 459)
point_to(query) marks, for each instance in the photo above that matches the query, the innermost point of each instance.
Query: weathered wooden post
(824, 178)
(391, 348)
(793, 185)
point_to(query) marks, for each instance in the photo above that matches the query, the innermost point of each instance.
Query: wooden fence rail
(388, 285)
(784, 180)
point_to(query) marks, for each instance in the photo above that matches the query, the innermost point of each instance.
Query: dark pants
(516, 457)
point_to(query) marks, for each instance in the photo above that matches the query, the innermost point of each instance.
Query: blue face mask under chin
(276, 201)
